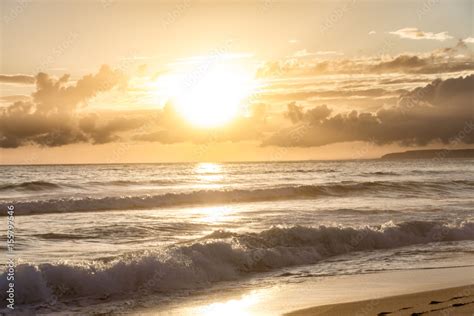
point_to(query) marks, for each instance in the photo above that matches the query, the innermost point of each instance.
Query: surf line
(10, 275)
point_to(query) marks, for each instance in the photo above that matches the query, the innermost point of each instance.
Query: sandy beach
(450, 301)
(448, 291)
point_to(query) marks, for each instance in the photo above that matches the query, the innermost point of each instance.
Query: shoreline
(313, 296)
(448, 301)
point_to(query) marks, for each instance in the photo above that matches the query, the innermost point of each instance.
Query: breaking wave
(30, 186)
(219, 256)
(406, 188)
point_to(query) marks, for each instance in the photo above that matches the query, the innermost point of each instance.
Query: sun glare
(212, 96)
(240, 307)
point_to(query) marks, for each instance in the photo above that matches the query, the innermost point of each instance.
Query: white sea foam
(220, 256)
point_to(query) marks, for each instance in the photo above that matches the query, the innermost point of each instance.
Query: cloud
(171, 128)
(444, 60)
(331, 93)
(372, 33)
(417, 34)
(306, 53)
(53, 95)
(440, 111)
(469, 40)
(302, 53)
(21, 79)
(399, 63)
(51, 119)
(328, 52)
(460, 47)
(296, 113)
(14, 98)
(99, 132)
(437, 111)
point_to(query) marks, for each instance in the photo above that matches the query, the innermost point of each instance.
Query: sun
(214, 95)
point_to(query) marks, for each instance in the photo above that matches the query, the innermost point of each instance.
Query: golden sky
(149, 81)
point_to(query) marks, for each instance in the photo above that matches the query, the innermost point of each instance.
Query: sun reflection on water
(209, 173)
(215, 214)
(233, 307)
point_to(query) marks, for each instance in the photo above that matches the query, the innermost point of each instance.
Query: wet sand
(449, 290)
(451, 301)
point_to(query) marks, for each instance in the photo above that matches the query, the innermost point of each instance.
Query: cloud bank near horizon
(441, 111)
(401, 104)
(49, 118)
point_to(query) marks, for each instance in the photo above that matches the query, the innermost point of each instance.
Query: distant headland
(431, 154)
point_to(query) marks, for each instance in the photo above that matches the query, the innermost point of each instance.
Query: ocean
(109, 237)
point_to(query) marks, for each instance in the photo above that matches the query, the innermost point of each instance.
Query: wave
(30, 186)
(58, 236)
(48, 186)
(219, 256)
(437, 172)
(309, 170)
(269, 169)
(132, 182)
(345, 188)
(382, 173)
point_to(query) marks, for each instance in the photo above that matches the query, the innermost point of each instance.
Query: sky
(111, 81)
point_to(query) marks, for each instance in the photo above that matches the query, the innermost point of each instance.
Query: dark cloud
(297, 114)
(101, 133)
(440, 111)
(399, 63)
(51, 119)
(445, 60)
(409, 64)
(23, 79)
(57, 96)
